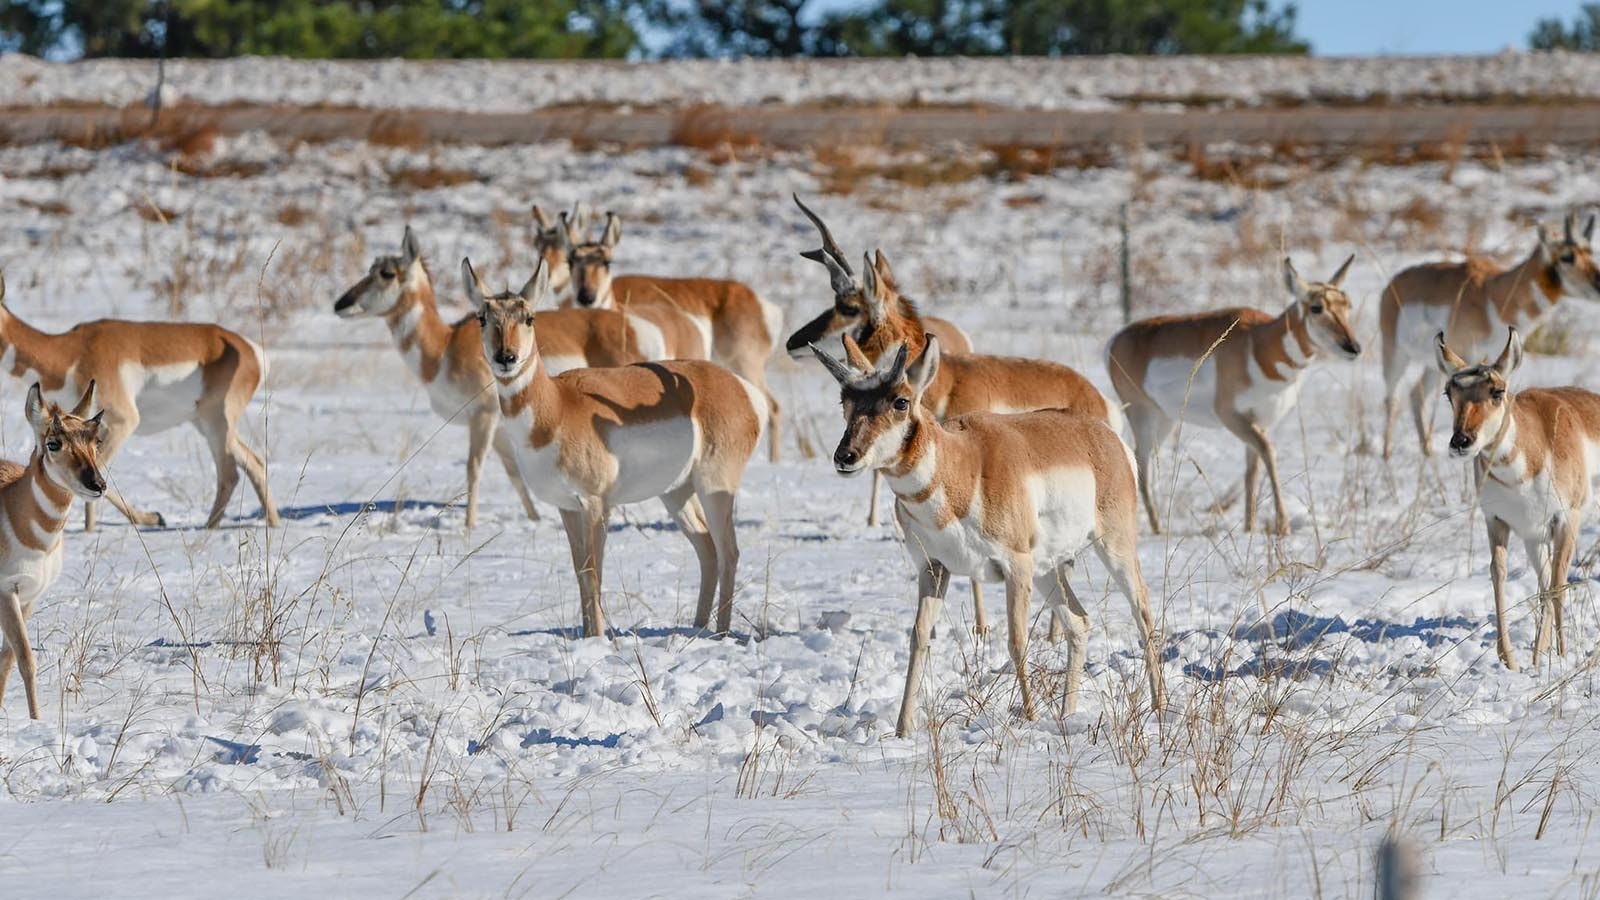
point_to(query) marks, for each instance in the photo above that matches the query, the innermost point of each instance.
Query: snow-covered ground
(1030, 83)
(368, 702)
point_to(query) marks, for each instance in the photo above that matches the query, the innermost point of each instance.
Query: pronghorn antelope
(34, 501)
(591, 439)
(740, 328)
(448, 357)
(997, 497)
(1537, 459)
(550, 242)
(1472, 302)
(1237, 368)
(152, 376)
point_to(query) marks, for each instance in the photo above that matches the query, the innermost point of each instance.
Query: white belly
(1064, 523)
(454, 404)
(1265, 401)
(30, 573)
(166, 396)
(1529, 510)
(645, 461)
(1167, 381)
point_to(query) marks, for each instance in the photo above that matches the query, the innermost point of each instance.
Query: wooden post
(1127, 281)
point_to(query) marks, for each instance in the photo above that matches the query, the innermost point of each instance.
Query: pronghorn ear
(926, 368)
(567, 232)
(1338, 277)
(474, 286)
(35, 407)
(881, 264)
(538, 286)
(409, 251)
(613, 232)
(542, 218)
(85, 403)
(1588, 236)
(1293, 281)
(2, 287)
(853, 353)
(1511, 356)
(1544, 242)
(1569, 224)
(872, 290)
(840, 372)
(1449, 363)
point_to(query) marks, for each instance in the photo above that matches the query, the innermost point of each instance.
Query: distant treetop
(1582, 34)
(564, 29)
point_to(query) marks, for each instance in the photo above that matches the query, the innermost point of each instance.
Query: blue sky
(1368, 27)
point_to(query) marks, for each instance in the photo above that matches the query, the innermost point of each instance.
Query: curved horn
(86, 402)
(840, 372)
(1338, 277)
(840, 275)
(1570, 224)
(1448, 360)
(1511, 356)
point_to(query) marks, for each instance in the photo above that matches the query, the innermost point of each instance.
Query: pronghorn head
(69, 442)
(1479, 395)
(859, 304)
(882, 404)
(590, 262)
(1570, 261)
(506, 320)
(387, 279)
(554, 237)
(1326, 308)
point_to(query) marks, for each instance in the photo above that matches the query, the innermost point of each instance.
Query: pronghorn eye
(1316, 309)
(387, 274)
(527, 320)
(53, 445)
(902, 403)
(1568, 257)
(1498, 394)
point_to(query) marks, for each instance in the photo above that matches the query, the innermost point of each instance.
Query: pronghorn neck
(418, 329)
(24, 349)
(1283, 346)
(532, 390)
(926, 459)
(1501, 450)
(36, 506)
(1522, 294)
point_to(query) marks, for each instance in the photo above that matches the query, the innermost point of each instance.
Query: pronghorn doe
(591, 439)
(34, 501)
(1472, 302)
(1537, 463)
(1236, 368)
(447, 357)
(998, 497)
(152, 376)
(736, 324)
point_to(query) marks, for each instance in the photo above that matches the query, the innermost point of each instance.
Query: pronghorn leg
(586, 536)
(1426, 388)
(1560, 563)
(508, 460)
(8, 658)
(1499, 537)
(1252, 481)
(718, 507)
(212, 423)
(1541, 558)
(932, 582)
(480, 434)
(1121, 557)
(119, 429)
(980, 618)
(685, 509)
(1394, 369)
(1019, 593)
(872, 500)
(14, 628)
(1150, 428)
(1255, 440)
(250, 461)
(1065, 609)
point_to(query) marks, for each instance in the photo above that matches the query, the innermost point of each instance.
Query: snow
(1028, 83)
(369, 701)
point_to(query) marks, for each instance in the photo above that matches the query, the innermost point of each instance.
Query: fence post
(1127, 286)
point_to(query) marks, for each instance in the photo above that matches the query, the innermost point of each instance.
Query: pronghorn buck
(34, 501)
(591, 439)
(1537, 459)
(740, 328)
(152, 376)
(1473, 302)
(1011, 498)
(1236, 368)
(550, 241)
(448, 356)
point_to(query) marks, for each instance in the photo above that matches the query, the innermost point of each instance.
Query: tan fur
(1473, 301)
(454, 352)
(972, 474)
(34, 502)
(1531, 455)
(1246, 346)
(584, 440)
(100, 351)
(740, 322)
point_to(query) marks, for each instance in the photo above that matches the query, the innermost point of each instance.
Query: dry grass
(396, 130)
(713, 130)
(430, 177)
(293, 215)
(150, 211)
(48, 207)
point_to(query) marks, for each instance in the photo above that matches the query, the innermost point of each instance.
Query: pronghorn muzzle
(813, 332)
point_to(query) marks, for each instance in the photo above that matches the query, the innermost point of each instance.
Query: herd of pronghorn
(1002, 468)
